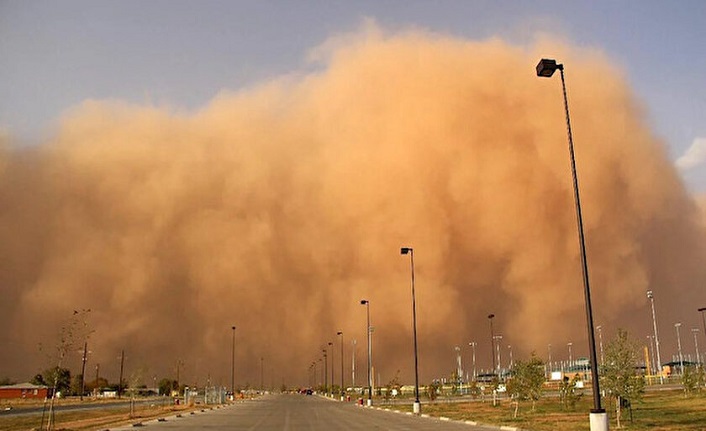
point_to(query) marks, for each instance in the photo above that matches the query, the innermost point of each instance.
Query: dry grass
(659, 411)
(94, 419)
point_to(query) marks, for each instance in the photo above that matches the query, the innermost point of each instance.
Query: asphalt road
(301, 412)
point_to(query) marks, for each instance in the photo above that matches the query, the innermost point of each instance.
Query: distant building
(24, 390)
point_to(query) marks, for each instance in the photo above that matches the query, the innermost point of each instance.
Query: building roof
(24, 386)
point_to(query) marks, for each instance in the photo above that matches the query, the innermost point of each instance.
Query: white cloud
(694, 156)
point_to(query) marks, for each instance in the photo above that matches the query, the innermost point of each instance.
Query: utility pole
(120, 382)
(83, 369)
(98, 367)
(353, 363)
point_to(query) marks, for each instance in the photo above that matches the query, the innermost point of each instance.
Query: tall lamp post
(354, 343)
(325, 372)
(370, 352)
(262, 374)
(658, 366)
(703, 320)
(600, 340)
(498, 343)
(681, 358)
(695, 331)
(417, 408)
(651, 344)
(332, 367)
(598, 417)
(343, 391)
(492, 340)
(473, 349)
(232, 366)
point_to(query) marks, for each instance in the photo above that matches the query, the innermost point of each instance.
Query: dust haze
(277, 208)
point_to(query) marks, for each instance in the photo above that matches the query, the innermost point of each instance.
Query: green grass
(659, 411)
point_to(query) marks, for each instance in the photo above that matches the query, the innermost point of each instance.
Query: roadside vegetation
(94, 419)
(529, 402)
(657, 411)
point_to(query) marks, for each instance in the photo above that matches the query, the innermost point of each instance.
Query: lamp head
(330, 343)
(405, 250)
(363, 301)
(649, 294)
(546, 67)
(490, 316)
(339, 333)
(702, 309)
(233, 328)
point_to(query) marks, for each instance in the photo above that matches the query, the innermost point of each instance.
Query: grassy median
(659, 411)
(94, 419)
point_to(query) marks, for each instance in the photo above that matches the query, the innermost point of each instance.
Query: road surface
(301, 412)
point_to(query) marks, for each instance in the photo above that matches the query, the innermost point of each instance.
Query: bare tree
(74, 331)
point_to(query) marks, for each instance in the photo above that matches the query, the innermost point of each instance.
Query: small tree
(166, 386)
(38, 379)
(59, 377)
(527, 381)
(568, 395)
(474, 389)
(692, 379)
(77, 328)
(393, 384)
(96, 385)
(620, 377)
(76, 382)
(433, 389)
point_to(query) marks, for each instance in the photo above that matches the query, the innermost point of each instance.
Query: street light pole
(695, 331)
(498, 339)
(651, 297)
(650, 339)
(459, 367)
(681, 358)
(492, 340)
(473, 349)
(417, 408)
(703, 320)
(354, 343)
(598, 417)
(325, 372)
(232, 366)
(600, 340)
(343, 391)
(332, 367)
(370, 352)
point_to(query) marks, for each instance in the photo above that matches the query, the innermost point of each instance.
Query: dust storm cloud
(277, 208)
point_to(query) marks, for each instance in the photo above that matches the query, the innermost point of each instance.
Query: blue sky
(181, 53)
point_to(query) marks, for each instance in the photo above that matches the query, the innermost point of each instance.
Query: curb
(465, 422)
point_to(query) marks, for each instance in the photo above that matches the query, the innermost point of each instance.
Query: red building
(24, 390)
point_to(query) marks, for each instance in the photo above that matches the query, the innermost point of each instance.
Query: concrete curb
(465, 422)
(169, 418)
